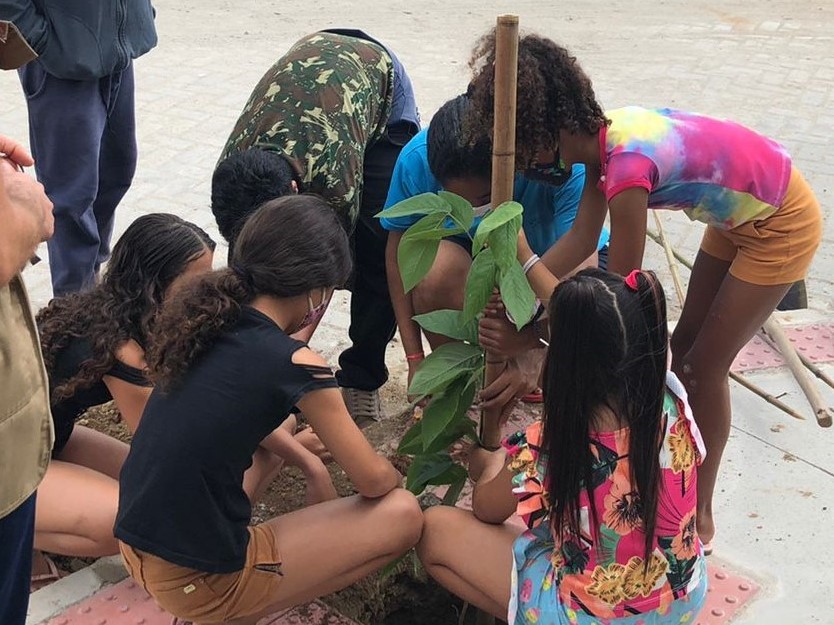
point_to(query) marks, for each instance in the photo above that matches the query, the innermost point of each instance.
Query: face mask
(314, 313)
(480, 211)
(553, 174)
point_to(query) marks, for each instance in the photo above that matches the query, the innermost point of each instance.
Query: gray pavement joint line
(785, 451)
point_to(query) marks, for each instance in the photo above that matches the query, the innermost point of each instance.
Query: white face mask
(480, 211)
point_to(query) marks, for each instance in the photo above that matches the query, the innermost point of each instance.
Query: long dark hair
(608, 349)
(151, 253)
(554, 93)
(289, 246)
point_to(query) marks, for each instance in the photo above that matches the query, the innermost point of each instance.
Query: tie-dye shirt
(602, 573)
(716, 171)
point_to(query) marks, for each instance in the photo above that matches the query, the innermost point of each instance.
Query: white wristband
(530, 262)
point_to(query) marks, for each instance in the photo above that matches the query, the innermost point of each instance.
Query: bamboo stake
(660, 239)
(821, 411)
(673, 266)
(809, 364)
(503, 172)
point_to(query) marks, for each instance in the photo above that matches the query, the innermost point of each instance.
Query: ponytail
(190, 323)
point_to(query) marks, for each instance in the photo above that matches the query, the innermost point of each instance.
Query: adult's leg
(66, 122)
(76, 510)
(737, 311)
(16, 535)
(474, 560)
(117, 162)
(444, 285)
(316, 559)
(372, 321)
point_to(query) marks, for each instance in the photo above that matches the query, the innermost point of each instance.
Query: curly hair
(289, 246)
(149, 256)
(553, 94)
(449, 154)
(241, 183)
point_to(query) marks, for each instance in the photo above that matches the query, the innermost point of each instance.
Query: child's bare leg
(736, 312)
(75, 511)
(443, 286)
(470, 558)
(317, 560)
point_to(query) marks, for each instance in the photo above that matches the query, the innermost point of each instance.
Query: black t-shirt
(67, 364)
(180, 490)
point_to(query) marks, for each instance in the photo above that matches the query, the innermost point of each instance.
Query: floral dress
(601, 578)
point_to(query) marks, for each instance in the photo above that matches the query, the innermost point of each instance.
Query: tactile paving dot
(728, 593)
(815, 341)
(127, 604)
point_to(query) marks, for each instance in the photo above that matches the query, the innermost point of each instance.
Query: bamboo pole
(812, 394)
(503, 172)
(660, 239)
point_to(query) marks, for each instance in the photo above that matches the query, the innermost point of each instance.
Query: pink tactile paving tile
(728, 594)
(815, 341)
(127, 604)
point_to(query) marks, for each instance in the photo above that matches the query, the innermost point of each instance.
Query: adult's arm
(31, 24)
(25, 211)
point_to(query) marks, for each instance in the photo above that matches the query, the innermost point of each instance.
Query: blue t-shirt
(549, 211)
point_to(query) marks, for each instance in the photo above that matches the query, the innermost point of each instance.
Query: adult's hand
(15, 152)
(26, 197)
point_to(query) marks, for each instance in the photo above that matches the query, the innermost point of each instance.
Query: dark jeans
(83, 138)
(17, 533)
(372, 321)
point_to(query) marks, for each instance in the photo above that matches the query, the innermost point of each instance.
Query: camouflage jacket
(321, 106)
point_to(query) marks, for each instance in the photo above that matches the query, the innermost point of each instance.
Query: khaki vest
(26, 432)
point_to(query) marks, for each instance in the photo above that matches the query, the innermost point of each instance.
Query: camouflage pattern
(321, 106)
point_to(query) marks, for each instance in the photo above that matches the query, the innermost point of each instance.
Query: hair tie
(631, 280)
(245, 277)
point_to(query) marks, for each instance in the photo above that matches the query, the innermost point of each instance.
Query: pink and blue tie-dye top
(716, 171)
(603, 572)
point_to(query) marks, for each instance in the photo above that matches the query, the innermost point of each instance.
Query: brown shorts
(207, 598)
(777, 249)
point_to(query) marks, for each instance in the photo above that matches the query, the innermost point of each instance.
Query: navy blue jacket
(84, 39)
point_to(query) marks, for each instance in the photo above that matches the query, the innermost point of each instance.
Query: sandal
(42, 580)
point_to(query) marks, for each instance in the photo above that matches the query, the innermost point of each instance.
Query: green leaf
(415, 256)
(503, 241)
(479, 284)
(449, 323)
(443, 365)
(453, 494)
(461, 209)
(412, 441)
(517, 295)
(433, 470)
(444, 411)
(496, 217)
(423, 204)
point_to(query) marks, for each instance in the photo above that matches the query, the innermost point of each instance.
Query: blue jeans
(17, 533)
(83, 138)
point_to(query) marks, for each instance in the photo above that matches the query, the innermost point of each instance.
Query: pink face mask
(314, 313)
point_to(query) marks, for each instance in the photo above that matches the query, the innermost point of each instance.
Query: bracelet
(530, 263)
(417, 356)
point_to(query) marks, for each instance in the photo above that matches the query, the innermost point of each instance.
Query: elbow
(378, 483)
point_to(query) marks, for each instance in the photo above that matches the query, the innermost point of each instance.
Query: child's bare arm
(492, 500)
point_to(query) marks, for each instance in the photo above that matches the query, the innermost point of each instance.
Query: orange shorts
(775, 250)
(207, 598)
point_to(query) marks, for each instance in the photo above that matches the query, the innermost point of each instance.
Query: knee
(404, 515)
(435, 521)
(700, 372)
(444, 284)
